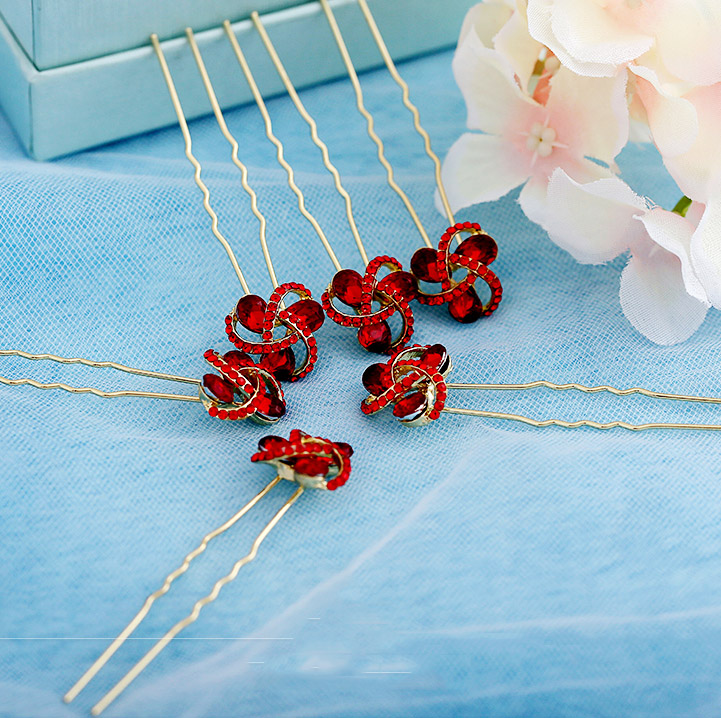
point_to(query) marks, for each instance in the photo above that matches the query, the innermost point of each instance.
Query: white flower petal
(586, 37)
(540, 27)
(485, 19)
(488, 84)
(674, 232)
(591, 113)
(706, 251)
(687, 39)
(654, 299)
(481, 168)
(518, 48)
(672, 120)
(594, 222)
(698, 171)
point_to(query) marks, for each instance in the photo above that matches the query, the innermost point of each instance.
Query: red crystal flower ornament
(300, 319)
(413, 380)
(241, 389)
(392, 293)
(310, 461)
(474, 253)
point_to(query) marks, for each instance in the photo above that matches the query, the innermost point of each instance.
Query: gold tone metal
(96, 392)
(245, 67)
(409, 105)
(234, 154)
(586, 389)
(255, 17)
(96, 365)
(576, 424)
(353, 75)
(193, 161)
(197, 608)
(150, 600)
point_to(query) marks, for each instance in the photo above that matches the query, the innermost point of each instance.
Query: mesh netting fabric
(471, 567)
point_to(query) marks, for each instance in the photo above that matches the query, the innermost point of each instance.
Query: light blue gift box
(79, 73)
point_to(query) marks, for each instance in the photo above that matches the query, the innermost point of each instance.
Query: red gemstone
(480, 247)
(375, 337)
(467, 307)
(272, 443)
(281, 364)
(309, 312)
(377, 378)
(250, 311)
(411, 406)
(346, 449)
(313, 465)
(347, 286)
(271, 407)
(402, 282)
(218, 388)
(436, 356)
(238, 359)
(423, 265)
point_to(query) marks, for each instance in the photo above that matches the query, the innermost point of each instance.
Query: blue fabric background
(468, 568)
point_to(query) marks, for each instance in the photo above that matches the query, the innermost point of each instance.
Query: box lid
(61, 32)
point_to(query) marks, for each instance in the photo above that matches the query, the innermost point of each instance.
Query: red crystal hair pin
(413, 383)
(241, 388)
(287, 321)
(476, 249)
(309, 462)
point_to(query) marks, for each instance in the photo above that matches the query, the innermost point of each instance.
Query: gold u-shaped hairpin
(414, 382)
(298, 319)
(311, 463)
(476, 249)
(372, 299)
(241, 389)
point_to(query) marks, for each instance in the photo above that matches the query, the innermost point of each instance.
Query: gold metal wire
(96, 365)
(370, 124)
(576, 424)
(133, 673)
(542, 383)
(267, 42)
(245, 67)
(234, 154)
(409, 105)
(193, 161)
(150, 600)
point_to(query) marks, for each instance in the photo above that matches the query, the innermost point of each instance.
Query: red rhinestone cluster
(311, 461)
(474, 254)
(241, 389)
(413, 380)
(300, 319)
(393, 293)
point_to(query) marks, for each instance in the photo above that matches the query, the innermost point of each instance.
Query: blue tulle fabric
(468, 568)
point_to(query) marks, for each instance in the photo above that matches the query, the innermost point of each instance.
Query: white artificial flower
(523, 139)
(661, 294)
(598, 38)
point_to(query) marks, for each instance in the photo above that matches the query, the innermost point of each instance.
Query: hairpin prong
(360, 104)
(145, 661)
(196, 165)
(234, 153)
(150, 600)
(290, 89)
(260, 102)
(380, 42)
(97, 365)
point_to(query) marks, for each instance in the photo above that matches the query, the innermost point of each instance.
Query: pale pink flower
(524, 140)
(660, 292)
